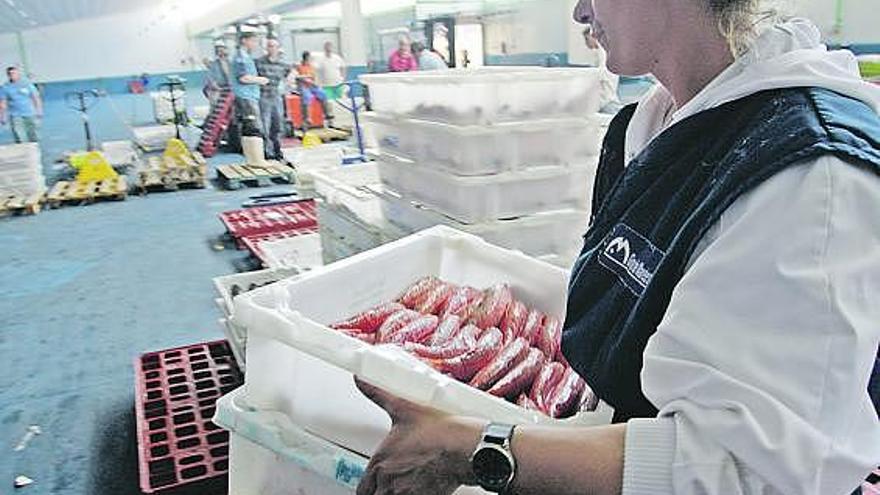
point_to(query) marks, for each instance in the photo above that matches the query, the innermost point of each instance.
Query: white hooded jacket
(761, 364)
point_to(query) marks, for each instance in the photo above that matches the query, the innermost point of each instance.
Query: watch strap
(498, 433)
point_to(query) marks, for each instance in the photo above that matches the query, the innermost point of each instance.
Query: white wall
(119, 45)
(9, 54)
(534, 27)
(860, 19)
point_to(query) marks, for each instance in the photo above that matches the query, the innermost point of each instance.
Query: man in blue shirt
(246, 85)
(20, 99)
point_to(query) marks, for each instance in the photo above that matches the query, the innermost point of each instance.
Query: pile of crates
(261, 228)
(489, 146)
(22, 183)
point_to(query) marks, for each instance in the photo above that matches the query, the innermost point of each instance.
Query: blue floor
(83, 290)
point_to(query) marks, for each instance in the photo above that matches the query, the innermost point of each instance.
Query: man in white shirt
(331, 72)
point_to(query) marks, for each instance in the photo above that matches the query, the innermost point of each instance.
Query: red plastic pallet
(269, 219)
(179, 447)
(253, 243)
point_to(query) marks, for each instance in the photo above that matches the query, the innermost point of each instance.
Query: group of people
(260, 84)
(21, 106)
(415, 56)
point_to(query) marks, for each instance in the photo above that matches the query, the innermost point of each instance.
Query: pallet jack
(91, 165)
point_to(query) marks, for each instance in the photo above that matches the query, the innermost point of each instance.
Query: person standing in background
(428, 59)
(20, 100)
(403, 60)
(276, 70)
(331, 71)
(219, 73)
(246, 83)
(309, 90)
(608, 81)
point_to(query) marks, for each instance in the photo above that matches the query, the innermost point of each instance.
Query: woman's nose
(583, 12)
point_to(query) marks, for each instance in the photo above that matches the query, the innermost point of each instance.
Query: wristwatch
(492, 462)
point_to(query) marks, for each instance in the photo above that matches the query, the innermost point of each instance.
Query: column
(353, 35)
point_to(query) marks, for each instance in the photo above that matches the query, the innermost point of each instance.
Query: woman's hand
(427, 451)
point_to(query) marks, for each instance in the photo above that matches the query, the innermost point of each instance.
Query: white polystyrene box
(299, 367)
(487, 149)
(542, 234)
(345, 187)
(493, 197)
(487, 95)
(269, 455)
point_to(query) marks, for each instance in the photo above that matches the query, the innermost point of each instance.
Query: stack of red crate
(264, 220)
(179, 447)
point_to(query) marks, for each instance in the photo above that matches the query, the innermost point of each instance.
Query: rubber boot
(254, 151)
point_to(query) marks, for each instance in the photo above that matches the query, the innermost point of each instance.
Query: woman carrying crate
(726, 300)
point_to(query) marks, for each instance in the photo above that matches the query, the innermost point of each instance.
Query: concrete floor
(83, 291)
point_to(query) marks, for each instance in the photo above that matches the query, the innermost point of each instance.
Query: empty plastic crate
(289, 342)
(543, 234)
(488, 95)
(231, 286)
(492, 197)
(482, 150)
(349, 188)
(176, 391)
(255, 243)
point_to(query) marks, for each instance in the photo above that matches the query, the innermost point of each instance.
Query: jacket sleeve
(761, 364)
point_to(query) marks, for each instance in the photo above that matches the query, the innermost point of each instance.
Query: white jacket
(761, 364)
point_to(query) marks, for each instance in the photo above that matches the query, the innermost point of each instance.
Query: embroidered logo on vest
(631, 257)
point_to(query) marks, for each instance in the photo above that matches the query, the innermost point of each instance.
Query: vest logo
(631, 257)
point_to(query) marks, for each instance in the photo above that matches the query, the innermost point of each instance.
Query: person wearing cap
(246, 84)
(274, 68)
(21, 104)
(428, 59)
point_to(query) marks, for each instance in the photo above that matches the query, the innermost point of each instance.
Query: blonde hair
(738, 21)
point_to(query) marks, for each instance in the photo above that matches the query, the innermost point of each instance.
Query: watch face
(492, 468)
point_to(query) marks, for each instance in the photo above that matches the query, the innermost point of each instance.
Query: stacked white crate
(21, 170)
(231, 286)
(495, 147)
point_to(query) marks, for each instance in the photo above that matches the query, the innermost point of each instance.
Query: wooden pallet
(19, 204)
(234, 177)
(327, 134)
(165, 174)
(72, 192)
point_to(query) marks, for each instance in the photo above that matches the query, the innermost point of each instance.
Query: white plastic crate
(153, 137)
(307, 161)
(289, 343)
(542, 234)
(269, 455)
(483, 150)
(488, 95)
(485, 198)
(234, 331)
(301, 252)
(347, 188)
(119, 152)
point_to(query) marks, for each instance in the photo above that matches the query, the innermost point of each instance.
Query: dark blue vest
(649, 216)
